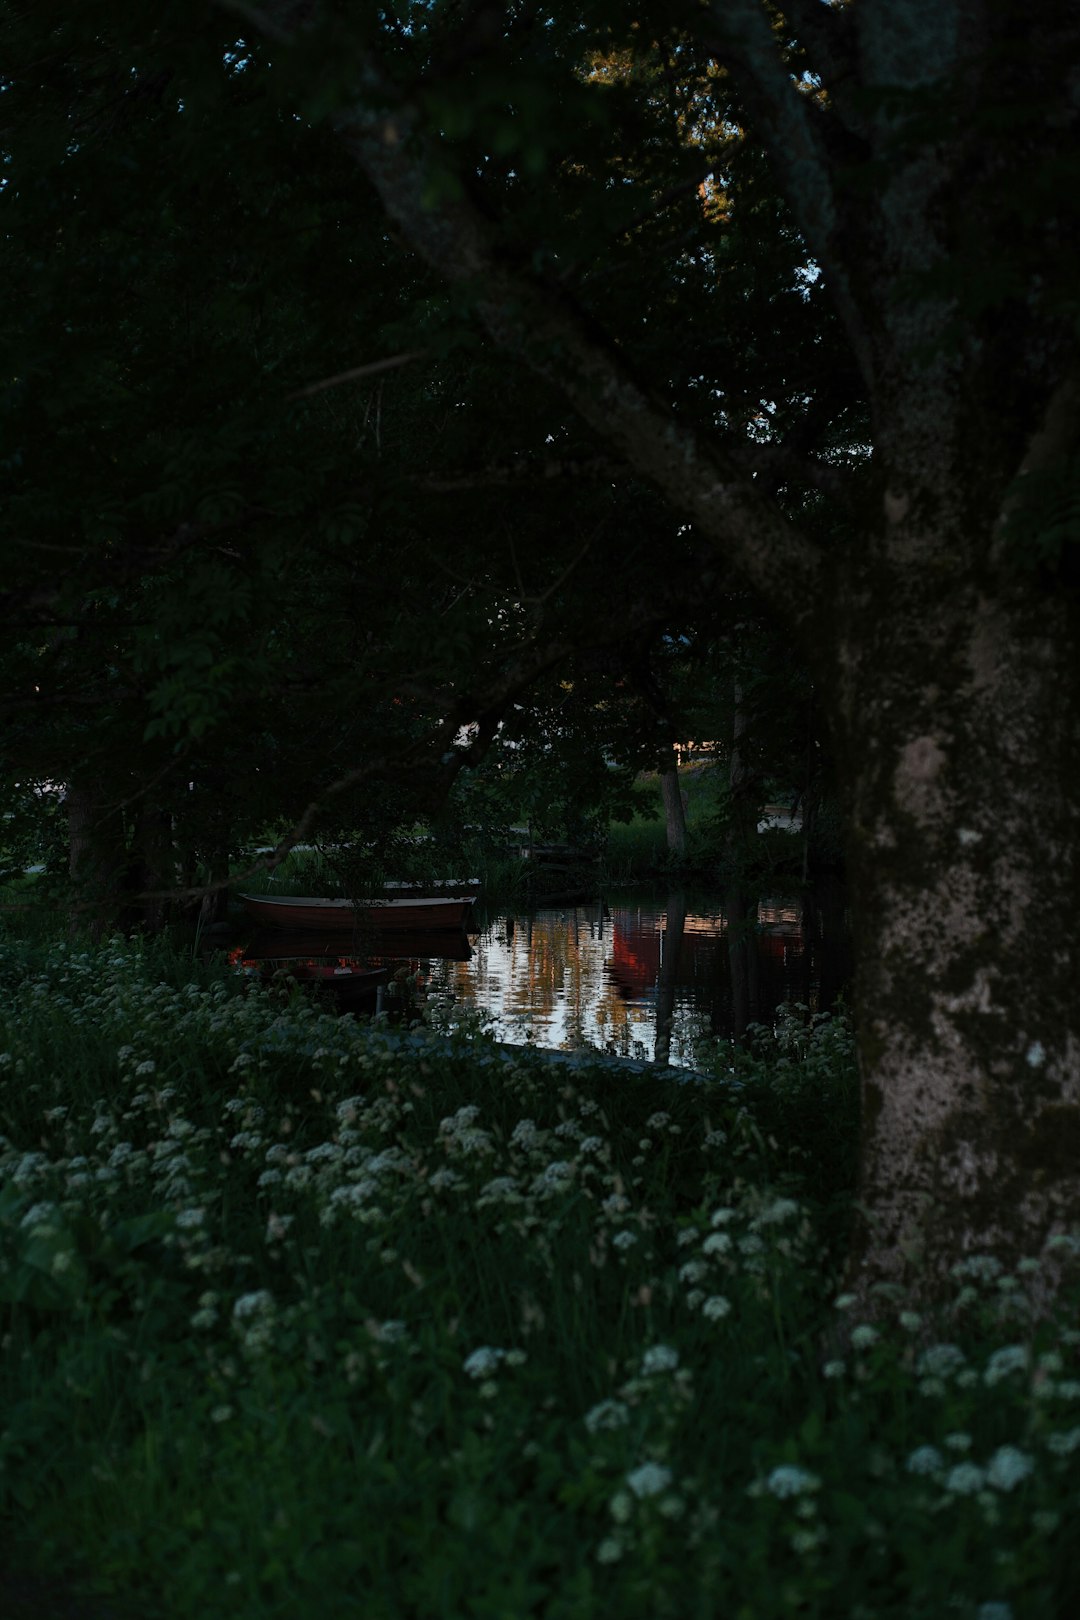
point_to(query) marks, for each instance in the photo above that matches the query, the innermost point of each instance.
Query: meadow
(306, 1315)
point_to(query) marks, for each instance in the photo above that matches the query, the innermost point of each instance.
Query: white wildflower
(659, 1358)
(445, 1181)
(1010, 1358)
(965, 1479)
(1063, 1443)
(651, 1479)
(925, 1460)
(459, 1121)
(863, 1336)
(1008, 1467)
(790, 1480)
(716, 1243)
(624, 1239)
(481, 1363)
(257, 1303)
(621, 1507)
(716, 1307)
(939, 1360)
(781, 1209)
(607, 1415)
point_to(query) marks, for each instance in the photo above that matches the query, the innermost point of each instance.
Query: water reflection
(645, 977)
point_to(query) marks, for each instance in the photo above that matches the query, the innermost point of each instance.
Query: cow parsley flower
(659, 1358)
(925, 1460)
(965, 1479)
(939, 1360)
(790, 1480)
(716, 1307)
(1010, 1358)
(1009, 1467)
(607, 1414)
(483, 1362)
(651, 1479)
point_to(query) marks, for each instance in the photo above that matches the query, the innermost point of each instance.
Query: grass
(302, 1315)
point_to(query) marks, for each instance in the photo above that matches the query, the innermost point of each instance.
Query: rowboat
(416, 914)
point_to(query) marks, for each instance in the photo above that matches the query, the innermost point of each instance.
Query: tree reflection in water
(643, 975)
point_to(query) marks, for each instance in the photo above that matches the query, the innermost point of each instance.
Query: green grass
(638, 848)
(306, 1316)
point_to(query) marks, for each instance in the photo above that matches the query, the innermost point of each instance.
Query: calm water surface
(645, 974)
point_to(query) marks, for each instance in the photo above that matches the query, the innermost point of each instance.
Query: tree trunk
(674, 812)
(155, 865)
(959, 756)
(97, 860)
(743, 786)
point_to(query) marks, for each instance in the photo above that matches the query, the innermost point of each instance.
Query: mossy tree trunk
(959, 744)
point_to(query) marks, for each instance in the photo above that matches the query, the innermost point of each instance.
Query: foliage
(232, 583)
(300, 1311)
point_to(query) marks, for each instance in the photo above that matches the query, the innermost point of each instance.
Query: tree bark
(674, 812)
(742, 785)
(960, 764)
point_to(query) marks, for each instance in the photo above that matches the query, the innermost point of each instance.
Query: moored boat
(413, 913)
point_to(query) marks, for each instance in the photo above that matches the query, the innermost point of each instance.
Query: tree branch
(543, 328)
(373, 366)
(791, 127)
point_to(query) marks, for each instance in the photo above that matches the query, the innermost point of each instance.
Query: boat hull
(305, 913)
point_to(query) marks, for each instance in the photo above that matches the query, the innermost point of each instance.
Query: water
(645, 975)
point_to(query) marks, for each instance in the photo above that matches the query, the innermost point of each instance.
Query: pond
(644, 974)
(636, 973)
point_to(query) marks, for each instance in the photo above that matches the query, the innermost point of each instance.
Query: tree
(781, 293)
(928, 163)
